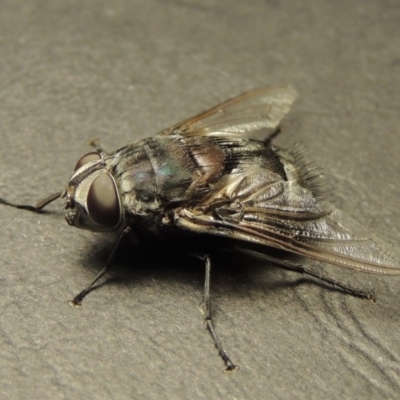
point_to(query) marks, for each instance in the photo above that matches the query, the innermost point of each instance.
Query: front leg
(77, 300)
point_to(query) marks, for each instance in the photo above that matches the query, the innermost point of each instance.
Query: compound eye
(103, 202)
(89, 157)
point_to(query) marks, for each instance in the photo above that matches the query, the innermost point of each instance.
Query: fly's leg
(77, 300)
(369, 295)
(285, 264)
(230, 366)
(273, 135)
(37, 207)
(95, 143)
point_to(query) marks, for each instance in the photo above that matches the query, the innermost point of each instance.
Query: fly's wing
(260, 108)
(287, 216)
(256, 205)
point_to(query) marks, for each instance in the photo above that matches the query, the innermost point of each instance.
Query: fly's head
(92, 198)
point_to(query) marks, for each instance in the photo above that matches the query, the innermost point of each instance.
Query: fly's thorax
(154, 173)
(136, 179)
(92, 198)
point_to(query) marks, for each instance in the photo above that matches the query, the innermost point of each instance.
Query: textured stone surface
(122, 70)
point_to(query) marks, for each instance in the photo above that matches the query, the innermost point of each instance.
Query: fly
(205, 176)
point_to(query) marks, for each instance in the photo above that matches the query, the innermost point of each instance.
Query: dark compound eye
(103, 202)
(92, 156)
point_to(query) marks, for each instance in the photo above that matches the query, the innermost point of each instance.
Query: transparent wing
(261, 108)
(284, 215)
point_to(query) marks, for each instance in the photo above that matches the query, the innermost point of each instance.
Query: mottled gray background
(123, 70)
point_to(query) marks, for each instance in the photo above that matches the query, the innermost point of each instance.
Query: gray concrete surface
(123, 70)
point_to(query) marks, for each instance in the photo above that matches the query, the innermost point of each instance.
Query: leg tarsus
(229, 365)
(333, 283)
(77, 300)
